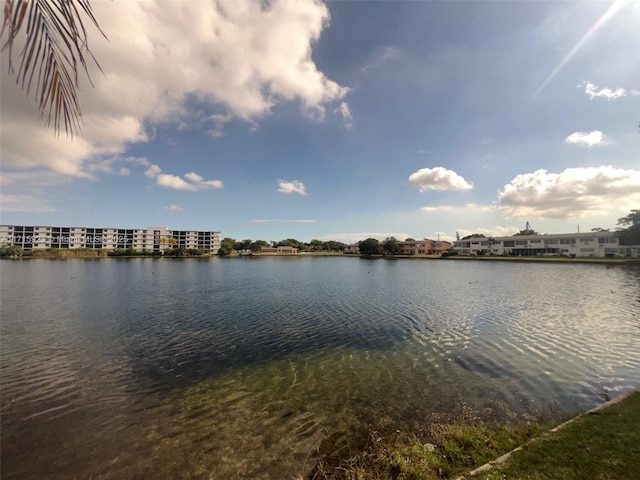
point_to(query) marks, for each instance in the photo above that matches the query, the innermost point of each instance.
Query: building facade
(281, 250)
(424, 247)
(151, 239)
(591, 244)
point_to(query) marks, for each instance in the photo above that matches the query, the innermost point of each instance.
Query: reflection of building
(283, 250)
(591, 244)
(151, 239)
(423, 247)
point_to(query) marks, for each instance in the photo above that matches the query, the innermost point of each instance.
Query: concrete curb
(506, 456)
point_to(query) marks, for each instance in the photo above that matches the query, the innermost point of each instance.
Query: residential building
(591, 244)
(424, 247)
(151, 239)
(353, 248)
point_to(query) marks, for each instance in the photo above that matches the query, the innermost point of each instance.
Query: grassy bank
(603, 444)
(444, 448)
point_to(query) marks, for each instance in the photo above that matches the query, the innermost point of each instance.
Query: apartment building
(591, 244)
(151, 239)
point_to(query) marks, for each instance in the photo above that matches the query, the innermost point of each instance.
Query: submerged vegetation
(446, 448)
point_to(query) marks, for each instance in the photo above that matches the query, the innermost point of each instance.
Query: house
(281, 250)
(352, 248)
(424, 247)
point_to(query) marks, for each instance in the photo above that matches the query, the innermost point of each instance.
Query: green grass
(446, 451)
(601, 445)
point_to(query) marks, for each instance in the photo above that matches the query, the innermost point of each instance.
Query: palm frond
(54, 51)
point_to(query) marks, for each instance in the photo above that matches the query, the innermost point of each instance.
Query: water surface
(242, 368)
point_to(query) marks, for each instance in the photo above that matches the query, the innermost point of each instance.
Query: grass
(446, 450)
(600, 445)
(603, 444)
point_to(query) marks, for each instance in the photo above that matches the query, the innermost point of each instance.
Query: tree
(55, 50)
(409, 239)
(390, 246)
(629, 232)
(227, 246)
(631, 219)
(526, 232)
(257, 245)
(474, 235)
(370, 246)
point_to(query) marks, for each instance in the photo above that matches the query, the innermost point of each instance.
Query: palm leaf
(55, 50)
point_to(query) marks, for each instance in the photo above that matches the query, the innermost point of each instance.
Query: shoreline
(67, 254)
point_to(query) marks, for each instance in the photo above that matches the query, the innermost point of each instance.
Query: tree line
(230, 245)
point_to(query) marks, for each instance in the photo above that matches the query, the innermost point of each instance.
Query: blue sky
(340, 121)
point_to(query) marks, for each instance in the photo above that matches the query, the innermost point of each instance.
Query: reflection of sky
(97, 345)
(564, 330)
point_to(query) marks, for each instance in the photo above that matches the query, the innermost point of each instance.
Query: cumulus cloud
(166, 61)
(587, 139)
(175, 208)
(606, 92)
(294, 186)
(196, 182)
(575, 192)
(438, 178)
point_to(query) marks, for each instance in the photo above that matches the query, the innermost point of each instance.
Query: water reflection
(241, 368)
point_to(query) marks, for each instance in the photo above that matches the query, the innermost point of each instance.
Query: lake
(242, 367)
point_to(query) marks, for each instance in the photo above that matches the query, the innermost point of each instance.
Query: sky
(339, 120)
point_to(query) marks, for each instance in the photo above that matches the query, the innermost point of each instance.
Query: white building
(151, 239)
(591, 244)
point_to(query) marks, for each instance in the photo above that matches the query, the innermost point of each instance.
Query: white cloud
(469, 207)
(162, 60)
(575, 192)
(275, 220)
(175, 182)
(153, 171)
(587, 139)
(438, 178)
(635, 93)
(608, 93)
(294, 186)
(175, 208)
(201, 183)
(345, 112)
(196, 182)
